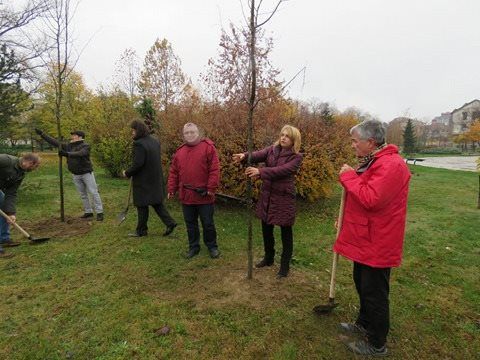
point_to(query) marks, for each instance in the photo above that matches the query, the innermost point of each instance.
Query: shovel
(328, 308)
(26, 234)
(123, 215)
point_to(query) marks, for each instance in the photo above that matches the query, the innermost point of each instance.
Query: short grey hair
(190, 124)
(370, 129)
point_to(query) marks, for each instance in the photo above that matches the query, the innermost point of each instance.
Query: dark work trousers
(162, 213)
(373, 287)
(191, 214)
(269, 244)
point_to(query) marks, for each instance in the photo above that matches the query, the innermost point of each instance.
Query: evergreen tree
(409, 139)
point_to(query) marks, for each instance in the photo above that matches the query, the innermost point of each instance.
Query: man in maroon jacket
(372, 230)
(195, 175)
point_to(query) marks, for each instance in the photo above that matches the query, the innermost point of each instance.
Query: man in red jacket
(372, 230)
(195, 175)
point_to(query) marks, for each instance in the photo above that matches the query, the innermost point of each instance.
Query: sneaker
(169, 229)
(361, 347)
(191, 253)
(353, 328)
(264, 262)
(86, 216)
(100, 217)
(214, 253)
(10, 243)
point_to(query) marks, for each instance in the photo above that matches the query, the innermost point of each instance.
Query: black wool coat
(146, 172)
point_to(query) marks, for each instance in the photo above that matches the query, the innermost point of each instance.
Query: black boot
(284, 268)
(264, 262)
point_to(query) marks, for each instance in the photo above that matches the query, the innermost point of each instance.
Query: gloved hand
(38, 131)
(62, 153)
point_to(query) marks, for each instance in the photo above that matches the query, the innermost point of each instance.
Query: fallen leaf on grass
(161, 331)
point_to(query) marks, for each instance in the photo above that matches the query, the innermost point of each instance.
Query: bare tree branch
(271, 14)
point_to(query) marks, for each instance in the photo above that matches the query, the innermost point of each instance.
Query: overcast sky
(390, 58)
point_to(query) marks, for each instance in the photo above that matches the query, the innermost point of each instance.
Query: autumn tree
(127, 72)
(60, 62)
(162, 78)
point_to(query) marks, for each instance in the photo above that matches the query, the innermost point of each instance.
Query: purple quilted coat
(276, 204)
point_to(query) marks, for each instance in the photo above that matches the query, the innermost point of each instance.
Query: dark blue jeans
(191, 214)
(4, 227)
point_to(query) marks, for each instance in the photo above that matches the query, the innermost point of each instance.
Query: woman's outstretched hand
(238, 157)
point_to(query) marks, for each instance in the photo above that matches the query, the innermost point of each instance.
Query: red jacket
(194, 166)
(373, 226)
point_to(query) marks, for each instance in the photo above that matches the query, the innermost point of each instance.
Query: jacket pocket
(357, 229)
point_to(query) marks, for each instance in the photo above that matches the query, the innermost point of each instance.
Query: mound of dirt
(54, 228)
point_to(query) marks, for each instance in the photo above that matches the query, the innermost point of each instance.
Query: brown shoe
(4, 255)
(10, 243)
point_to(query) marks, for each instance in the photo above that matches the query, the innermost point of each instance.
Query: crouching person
(372, 231)
(12, 173)
(195, 175)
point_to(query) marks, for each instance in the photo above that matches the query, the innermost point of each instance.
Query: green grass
(102, 295)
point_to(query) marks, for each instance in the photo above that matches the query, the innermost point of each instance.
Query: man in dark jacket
(77, 153)
(12, 173)
(147, 179)
(195, 174)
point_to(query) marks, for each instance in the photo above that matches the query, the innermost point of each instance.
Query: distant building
(444, 119)
(464, 116)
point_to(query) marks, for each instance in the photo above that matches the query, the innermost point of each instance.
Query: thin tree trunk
(251, 108)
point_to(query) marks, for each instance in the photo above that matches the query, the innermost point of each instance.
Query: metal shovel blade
(325, 309)
(121, 217)
(34, 240)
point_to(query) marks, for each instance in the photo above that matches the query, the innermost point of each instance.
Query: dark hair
(140, 128)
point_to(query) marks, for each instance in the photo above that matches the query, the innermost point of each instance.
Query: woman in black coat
(147, 179)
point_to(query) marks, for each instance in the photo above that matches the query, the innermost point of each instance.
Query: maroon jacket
(195, 166)
(276, 204)
(373, 224)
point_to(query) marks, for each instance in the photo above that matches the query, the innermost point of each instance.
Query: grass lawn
(93, 293)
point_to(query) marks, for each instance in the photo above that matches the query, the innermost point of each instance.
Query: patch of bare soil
(219, 288)
(54, 228)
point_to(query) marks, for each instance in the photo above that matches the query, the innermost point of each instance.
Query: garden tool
(26, 234)
(328, 308)
(123, 215)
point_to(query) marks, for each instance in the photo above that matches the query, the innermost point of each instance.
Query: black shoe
(86, 216)
(135, 234)
(353, 328)
(264, 262)
(169, 229)
(281, 274)
(100, 217)
(214, 253)
(10, 243)
(361, 347)
(191, 253)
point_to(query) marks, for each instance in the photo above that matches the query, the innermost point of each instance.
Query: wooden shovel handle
(335, 255)
(15, 224)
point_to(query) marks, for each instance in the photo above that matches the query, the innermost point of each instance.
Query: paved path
(465, 163)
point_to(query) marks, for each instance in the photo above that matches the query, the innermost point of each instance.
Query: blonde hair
(294, 134)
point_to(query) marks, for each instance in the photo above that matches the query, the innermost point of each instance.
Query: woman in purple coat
(276, 203)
